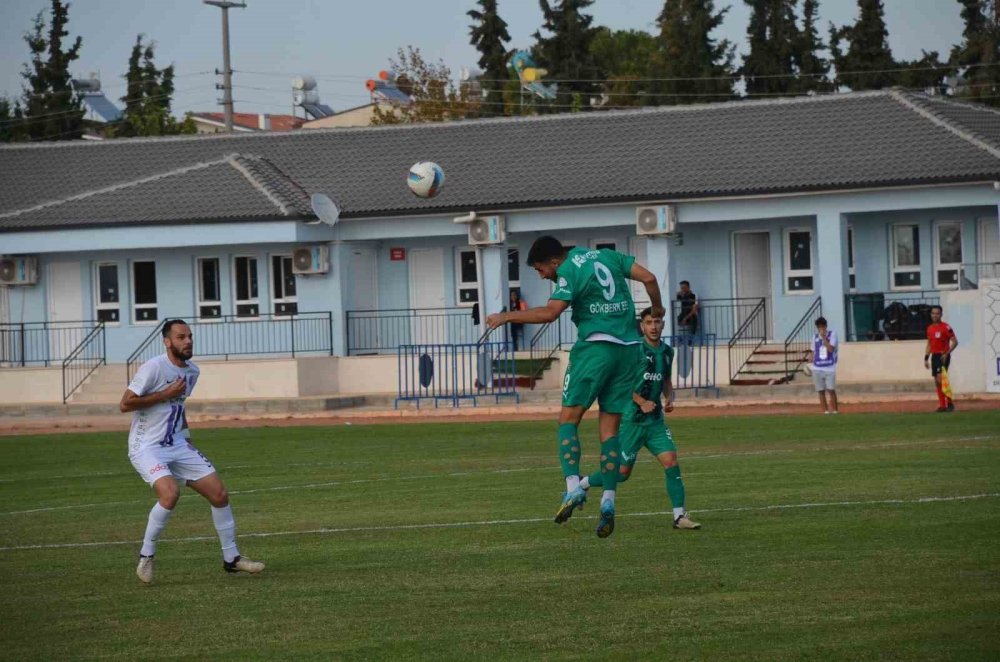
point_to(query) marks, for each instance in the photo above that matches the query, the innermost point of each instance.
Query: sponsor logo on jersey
(652, 376)
(582, 259)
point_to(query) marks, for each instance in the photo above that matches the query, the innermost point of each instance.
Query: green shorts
(655, 437)
(601, 371)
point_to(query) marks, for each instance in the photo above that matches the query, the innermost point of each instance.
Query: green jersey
(594, 283)
(653, 365)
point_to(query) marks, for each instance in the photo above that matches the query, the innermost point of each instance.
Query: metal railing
(544, 345)
(970, 273)
(41, 343)
(265, 335)
(383, 331)
(889, 315)
(749, 336)
(87, 357)
(799, 341)
(696, 361)
(721, 318)
(452, 373)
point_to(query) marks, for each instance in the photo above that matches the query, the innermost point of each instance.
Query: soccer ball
(425, 179)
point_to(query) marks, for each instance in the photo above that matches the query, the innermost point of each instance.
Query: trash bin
(866, 312)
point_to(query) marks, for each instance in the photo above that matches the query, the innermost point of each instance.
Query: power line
(28, 119)
(67, 133)
(36, 95)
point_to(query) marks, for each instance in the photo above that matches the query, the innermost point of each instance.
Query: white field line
(337, 483)
(505, 522)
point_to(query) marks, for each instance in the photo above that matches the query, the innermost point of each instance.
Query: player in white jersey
(160, 448)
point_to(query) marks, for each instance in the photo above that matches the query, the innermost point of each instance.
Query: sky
(344, 42)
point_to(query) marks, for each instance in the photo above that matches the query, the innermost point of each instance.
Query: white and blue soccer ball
(425, 179)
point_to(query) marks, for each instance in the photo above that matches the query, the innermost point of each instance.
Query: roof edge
(934, 118)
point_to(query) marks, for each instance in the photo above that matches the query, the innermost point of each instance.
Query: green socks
(675, 486)
(569, 450)
(610, 463)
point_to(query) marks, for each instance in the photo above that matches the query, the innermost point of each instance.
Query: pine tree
(698, 68)
(52, 110)
(868, 63)
(769, 67)
(489, 36)
(625, 56)
(148, 95)
(978, 56)
(12, 125)
(813, 70)
(566, 54)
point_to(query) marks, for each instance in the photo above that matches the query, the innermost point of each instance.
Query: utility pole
(227, 72)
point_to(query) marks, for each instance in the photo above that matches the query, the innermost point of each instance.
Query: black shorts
(939, 361)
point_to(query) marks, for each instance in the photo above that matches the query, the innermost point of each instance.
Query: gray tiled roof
(805, 144)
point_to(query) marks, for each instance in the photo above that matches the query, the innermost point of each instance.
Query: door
(427, 291)
(989, 249)
(752, 274)
(362, 294)
(65, 302)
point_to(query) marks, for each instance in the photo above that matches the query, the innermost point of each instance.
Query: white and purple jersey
(823, 359)
(165, 422)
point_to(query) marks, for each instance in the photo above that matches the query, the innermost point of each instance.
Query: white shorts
(182, 461)
(825, 380)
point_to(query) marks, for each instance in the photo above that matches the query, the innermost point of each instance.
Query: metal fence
(750, 335)
(799, 342)
(265, 335)
(889, 315)
(453, 373)
(87, 357)
(383, 331)
(696, 361)
(721, 318)
(41, 343)
(971, 273)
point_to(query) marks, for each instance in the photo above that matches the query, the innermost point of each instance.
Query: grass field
(865, 537)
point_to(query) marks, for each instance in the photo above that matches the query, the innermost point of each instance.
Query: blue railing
(455, 373)
(695, 359)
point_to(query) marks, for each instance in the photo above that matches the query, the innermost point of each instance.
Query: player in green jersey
(643, 424)
(595, 284)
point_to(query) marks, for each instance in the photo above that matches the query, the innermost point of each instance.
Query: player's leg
(614, 398)
(661, 444)
(632, 438)
(817, 377)
(203, 479)
(936, 373)
(156, 472)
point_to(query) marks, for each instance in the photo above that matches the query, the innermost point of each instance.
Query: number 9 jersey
(595, 284)
(164, 422)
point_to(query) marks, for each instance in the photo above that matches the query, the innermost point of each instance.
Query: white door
(989, 249)
(637, 249)
(65, 301)
(6, 336)
(752, 272)
(362, 294)
(427, 291)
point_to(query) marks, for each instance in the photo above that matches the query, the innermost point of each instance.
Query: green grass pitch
(859, 537)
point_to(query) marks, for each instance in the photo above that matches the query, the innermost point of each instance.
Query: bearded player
(595, 284)
(160, 449)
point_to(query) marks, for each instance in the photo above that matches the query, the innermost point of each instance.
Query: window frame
(255, 301)
(460, 284)
(786, 261)
(98, 305)
(947, 266)
(135, 306)
(200, 301)
(895, 268)
(283, 300)
(852, 260)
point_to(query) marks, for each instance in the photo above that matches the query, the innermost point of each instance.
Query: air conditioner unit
(660, 220)
(19, 270)
(487, 230)
(311, 260)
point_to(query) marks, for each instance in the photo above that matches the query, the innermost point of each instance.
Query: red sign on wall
(397, 254)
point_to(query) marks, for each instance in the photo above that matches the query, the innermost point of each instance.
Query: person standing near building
(823, 359)
(941, 342)
(687, 320)
(517, 330)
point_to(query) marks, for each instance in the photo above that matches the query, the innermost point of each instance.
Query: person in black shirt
(687, 320)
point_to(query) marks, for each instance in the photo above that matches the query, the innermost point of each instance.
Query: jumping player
(594, 283)
(643, 424)
(160, 449)
(941, 342)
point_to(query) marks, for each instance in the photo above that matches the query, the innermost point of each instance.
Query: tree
(625, 56)
(12, 125)
(52, 110)
(566, 54)
(813, 70)
(769, 67)
(148, 96)
(429, 84)
(977, 58)
(489, 36)
(696, 68)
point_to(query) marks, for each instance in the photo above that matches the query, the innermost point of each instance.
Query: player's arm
(646, 406)
(646, 277)
(131, 402)
(668, 394)
(541, 315)
(927, 354)
(952, 343)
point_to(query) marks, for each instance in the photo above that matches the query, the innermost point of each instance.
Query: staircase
(105, 385)
(769, 365)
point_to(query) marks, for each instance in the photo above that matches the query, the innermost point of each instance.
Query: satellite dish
(325, 209)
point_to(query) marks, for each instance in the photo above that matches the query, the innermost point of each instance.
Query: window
(107, 296)
(850, 260)
(514, 270)
(798, 262)
(209, 290)
(144, 292)
(245, 273)
(283, 285)
(948, 253)
(905, 257)
(598, 244)
(467, 277)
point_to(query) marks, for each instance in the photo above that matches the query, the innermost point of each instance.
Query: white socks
(572, 482)
(158, 518)
(678, 512)
(585, 483)
(225, 525)
(608, 496)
